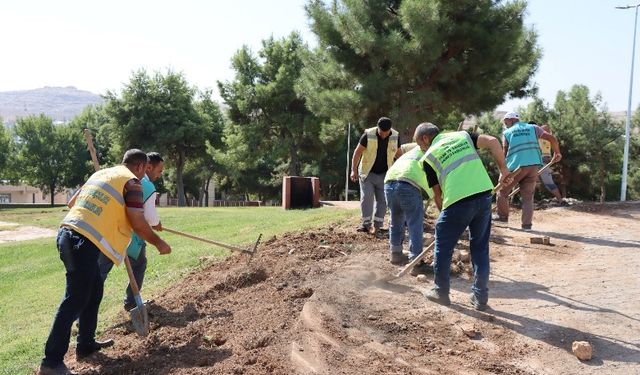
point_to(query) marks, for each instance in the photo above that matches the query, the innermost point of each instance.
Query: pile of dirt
(310, 302)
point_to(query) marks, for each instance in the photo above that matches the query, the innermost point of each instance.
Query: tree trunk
(52, 189)
(602, 180)
(179, 183)
(206, 191)
(294, 169)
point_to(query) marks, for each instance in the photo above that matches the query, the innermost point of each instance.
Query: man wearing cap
(522, 151)
(103, 215)
(137, 250)
(377, 149)
(462, 191)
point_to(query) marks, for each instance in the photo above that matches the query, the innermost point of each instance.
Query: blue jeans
(138, 266)
(405, 203)
(475, 214)
(82, 296)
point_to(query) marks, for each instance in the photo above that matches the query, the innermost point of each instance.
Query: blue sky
(96, 45)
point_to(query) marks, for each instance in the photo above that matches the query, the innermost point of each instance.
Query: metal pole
(625, 159)
(346, 182)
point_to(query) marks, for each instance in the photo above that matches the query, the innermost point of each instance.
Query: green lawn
(32, 276)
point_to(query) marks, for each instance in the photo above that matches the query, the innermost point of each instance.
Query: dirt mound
(311, 302)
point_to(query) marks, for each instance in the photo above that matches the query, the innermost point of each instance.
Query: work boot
(363, 228)
(526, 227)
(421, 268)
(476, 304)
(398, 258)
(61, 369)
(87, 350)
(496, 217)
(434, 296)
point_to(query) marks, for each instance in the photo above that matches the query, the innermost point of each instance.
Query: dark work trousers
(82, 297)
(138, 266)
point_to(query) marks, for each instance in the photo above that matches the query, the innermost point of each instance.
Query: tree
(266, 109)
(212, 116)
(97, 121)
(417, 60)
(590, 141)
(50, 157)
(157, 113)
(6, 151)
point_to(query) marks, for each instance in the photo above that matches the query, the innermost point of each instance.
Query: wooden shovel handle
(132, 279)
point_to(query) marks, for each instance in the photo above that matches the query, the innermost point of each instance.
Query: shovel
(425, 251)
(139, 315)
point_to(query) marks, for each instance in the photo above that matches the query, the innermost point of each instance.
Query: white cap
(511, 115)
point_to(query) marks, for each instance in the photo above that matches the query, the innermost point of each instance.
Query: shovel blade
(140, 320)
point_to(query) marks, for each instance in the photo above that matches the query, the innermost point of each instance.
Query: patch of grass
(39, 217)
(32, 276)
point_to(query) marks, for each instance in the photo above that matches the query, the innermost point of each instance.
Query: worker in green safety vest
(463, 193)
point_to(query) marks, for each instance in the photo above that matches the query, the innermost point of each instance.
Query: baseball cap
(384, 123)
(511, 115)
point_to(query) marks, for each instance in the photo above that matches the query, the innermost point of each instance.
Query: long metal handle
(230, 247)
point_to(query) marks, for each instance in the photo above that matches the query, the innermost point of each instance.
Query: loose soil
(322, 302)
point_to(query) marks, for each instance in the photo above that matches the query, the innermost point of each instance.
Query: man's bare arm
(142, 229)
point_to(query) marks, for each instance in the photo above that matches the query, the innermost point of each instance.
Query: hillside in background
(59, 103)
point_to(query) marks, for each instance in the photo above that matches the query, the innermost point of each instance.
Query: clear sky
(95, 45)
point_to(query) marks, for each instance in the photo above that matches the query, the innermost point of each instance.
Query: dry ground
(12, 232)
(318, 302)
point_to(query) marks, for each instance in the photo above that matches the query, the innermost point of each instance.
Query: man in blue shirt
(137, 247)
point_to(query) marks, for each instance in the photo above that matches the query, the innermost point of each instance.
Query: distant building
(29, 194)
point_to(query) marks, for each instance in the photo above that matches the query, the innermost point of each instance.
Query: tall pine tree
(417, 60)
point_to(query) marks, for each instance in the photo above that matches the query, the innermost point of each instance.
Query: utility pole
(346, 181)
(625, 159)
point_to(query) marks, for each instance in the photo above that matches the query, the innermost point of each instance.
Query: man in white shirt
(137, 248)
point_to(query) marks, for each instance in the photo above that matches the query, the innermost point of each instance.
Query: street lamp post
(625, 160)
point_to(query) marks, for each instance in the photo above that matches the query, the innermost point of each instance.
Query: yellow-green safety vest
(99, 212)
(369, 155)
(458, 167)
(545, 147)
(408, 168)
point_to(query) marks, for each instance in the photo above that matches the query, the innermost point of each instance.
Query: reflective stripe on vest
(371, 151)
(408, 168)
(103, 185)
(524, 149)
(458, 167)
(444, 172)
(99, 212)
(93, 233)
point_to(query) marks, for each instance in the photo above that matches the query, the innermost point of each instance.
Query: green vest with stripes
(458, 167)
(408, 168)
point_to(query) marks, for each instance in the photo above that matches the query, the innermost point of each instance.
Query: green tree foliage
(272, 132)
(417, 60)
(98, 122)
(6, 152)
(591, 144)
(50, 157)
(159, 113)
